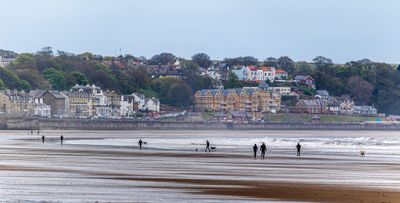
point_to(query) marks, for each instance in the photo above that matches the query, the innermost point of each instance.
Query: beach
(107, 166)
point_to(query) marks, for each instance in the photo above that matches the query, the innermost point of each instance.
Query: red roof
(253, 67)
(280, 71)
(265, 68)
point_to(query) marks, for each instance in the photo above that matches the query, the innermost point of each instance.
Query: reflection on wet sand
(78, 171)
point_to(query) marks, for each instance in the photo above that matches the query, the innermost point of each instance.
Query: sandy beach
(107, 166)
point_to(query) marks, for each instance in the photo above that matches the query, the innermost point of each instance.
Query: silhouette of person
(208, 146)
(62, 139)
(255, 149)
(298, 149)
(38, 132)
(263, 149)
(43, 138)
(140, 144)
(31, 132)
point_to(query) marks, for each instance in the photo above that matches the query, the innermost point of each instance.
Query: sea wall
(121, 124)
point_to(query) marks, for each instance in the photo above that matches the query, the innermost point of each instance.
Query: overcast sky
(301, 29)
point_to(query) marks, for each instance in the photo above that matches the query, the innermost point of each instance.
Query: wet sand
(32, 171)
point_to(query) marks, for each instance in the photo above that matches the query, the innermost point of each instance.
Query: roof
(55, 94)
(265, 68)
(312, 102)
(263, 85)
(302, 77)
(280, 71)
(239, 114)
(78, 94)
(323, 93)
(36, 93)
(212, 91)
(252, 67)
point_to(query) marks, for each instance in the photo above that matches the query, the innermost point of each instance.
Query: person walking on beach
(263, 149)
(255, 149)
(62, 139)
(43, 138)
(38, 132)
(31, 132)
(207, 146)
(140, 144)
(298, 149)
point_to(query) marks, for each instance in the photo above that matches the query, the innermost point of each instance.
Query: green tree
(45, 51)
(162, 59)
(361, 90)
(180, 94)
(56, 78)
(202, 60)
(10, 79)
(80, 78)
(286, 64)
(322, 62)
(271, 61)
(232, 82)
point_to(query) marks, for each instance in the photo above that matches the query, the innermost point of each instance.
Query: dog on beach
(362, 153)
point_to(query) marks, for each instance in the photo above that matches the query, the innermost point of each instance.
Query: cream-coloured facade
(250, 99)
(17, 103)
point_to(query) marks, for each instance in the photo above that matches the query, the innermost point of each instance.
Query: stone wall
(120, 124)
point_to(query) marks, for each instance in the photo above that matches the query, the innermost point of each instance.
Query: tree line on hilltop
(367, 82)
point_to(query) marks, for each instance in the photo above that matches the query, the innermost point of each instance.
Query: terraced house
(247, 99)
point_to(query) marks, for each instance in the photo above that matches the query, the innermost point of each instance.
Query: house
(346, 105)
(241, 72)
(146, 104)
(268, 73)
(80, 104)
(305, 80)
(40, 108)
(365, 110)
(263, 85)
(284, 91)
(322, 94)
(16, 103)
(112, 104)
(311, 106)
(233, 116)
(58, 102)
(281, 74)
(212, 74)
(98, 97)
(5, 61)
(152, 104)
(238, 116)
(129, 107)
(249, 99)
(254, 73)
(333, 106)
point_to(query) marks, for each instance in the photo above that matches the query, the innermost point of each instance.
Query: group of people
(263, 149)
(44, 138)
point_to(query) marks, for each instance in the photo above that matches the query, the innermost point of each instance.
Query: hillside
(367, 82)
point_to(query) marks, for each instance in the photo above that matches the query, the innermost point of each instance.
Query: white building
(128, 106)
(131, 104)
(254, 73)
(152, 104)
(5, 61)
(282, 90)
(40, 108)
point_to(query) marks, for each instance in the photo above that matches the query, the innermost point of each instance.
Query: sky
(342, 30)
